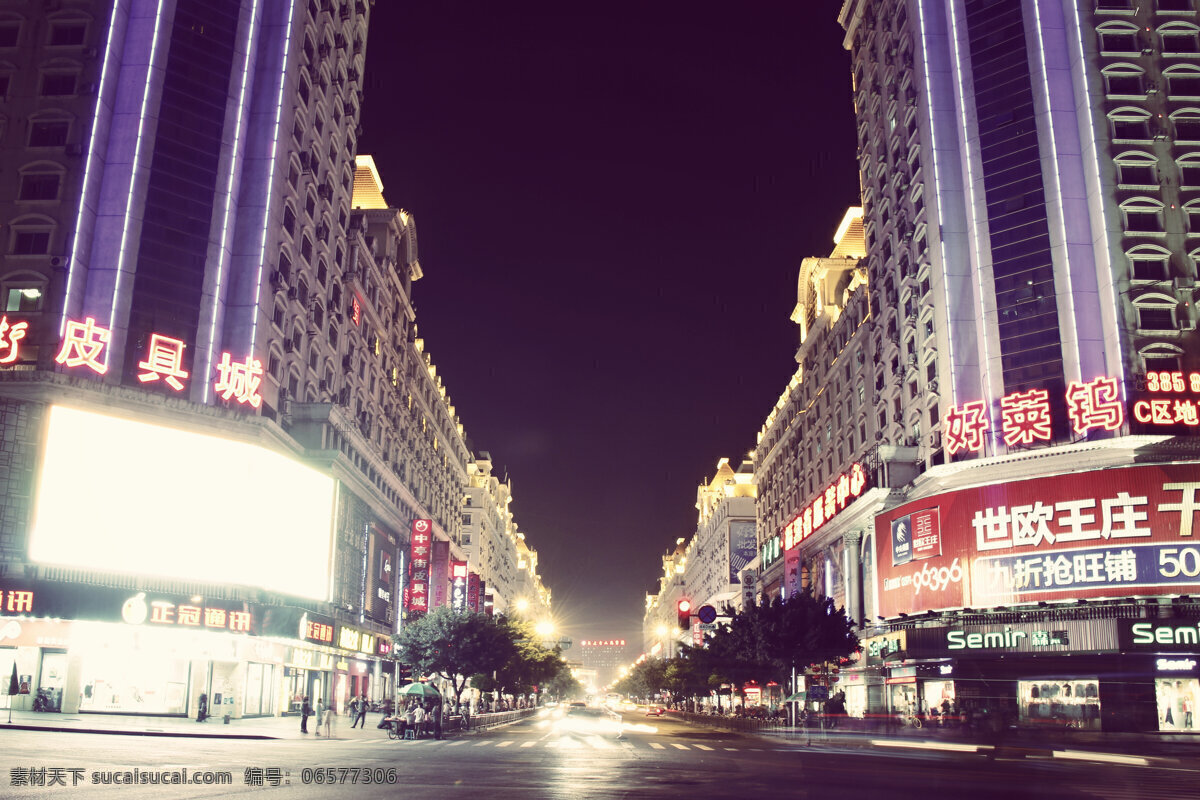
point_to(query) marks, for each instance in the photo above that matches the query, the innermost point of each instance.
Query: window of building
(306, 249)
(1183, 80)
(1123, 79)
(1174, 5)
(1155, 312)
(1136, 169)
(1192, 209)
(1161, 357)
(1148, 262)
(68, 34)
(1179, 38)
(1130, 124)
(310, 205)
(1187, 124)
(289, 220)
(1118, 37)
(1142, 215)
(30, 237)
(279, 317)
(10, 33)
(322, 272)
(39, 185)
(49, 133)
(58, 84)
(24, 295)
(303, 89)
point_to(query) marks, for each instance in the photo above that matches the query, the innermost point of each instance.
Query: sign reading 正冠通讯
(1083, 534)
(842, 491)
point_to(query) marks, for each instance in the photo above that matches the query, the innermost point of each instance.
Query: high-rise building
(217, 423)
(1026, 176)
(602, 657)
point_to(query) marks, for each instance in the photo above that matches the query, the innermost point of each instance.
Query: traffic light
(684, 609)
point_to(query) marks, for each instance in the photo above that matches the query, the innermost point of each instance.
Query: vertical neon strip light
(133, 169)
(969, 191)
(937, 184)
(233, 160)
(1062, 220)
(262, 247)
(87, 167)
(1091, 124)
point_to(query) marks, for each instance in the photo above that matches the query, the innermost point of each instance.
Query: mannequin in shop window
(202, 714)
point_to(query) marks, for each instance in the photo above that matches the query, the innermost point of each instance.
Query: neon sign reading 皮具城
(837, 495)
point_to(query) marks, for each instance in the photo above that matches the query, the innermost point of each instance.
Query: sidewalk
(249, 728)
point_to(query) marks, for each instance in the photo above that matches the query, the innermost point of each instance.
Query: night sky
(612, 202)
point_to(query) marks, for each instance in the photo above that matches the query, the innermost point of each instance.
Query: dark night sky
(612, 203)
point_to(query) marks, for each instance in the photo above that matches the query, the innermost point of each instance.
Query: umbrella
(421, 690)
(798, 697)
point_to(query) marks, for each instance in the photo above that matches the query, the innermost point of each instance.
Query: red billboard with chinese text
(416, 594)
(1102, 533)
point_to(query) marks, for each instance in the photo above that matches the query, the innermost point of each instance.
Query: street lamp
(522, 605)
(545, 629)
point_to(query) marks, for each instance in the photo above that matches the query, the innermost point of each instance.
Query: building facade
(209, 363)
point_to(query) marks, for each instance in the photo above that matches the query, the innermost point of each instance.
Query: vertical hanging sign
(416, 597)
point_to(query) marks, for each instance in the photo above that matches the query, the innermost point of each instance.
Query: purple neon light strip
(262, 247)
(233, 160)
(87, 167)
(137, 153)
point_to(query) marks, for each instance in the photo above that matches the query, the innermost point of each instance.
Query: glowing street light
(545, 628)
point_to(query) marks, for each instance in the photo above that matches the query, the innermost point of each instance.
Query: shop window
(1177, 698)
(1066, 703)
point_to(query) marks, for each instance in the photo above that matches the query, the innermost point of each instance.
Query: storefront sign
(743, 543)
(11, 334)
(416, 596)
(1086, 534)
(1168, 635)
(877, 649)
(16, 601)
(837, 495)
(473, 592)
(1175, 665)
(1169, 402)
(916, 536)
(1071, 636)
(310, 659)
(439, 574)
(458, 587)
(357, 640)
(138, 610)
(382, 582)
(315, 631)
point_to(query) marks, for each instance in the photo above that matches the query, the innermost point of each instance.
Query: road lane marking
(657, 746)
(731, 749)
(505, 743)
(1111, 758)
(702, 747)
(679, 746)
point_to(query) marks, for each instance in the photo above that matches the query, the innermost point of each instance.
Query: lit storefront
(1054, 602)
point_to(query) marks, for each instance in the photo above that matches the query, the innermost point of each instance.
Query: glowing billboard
(130, 497)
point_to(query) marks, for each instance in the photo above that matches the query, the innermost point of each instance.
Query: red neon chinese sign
(83, 345)
(165, 361)
(1026, 417)
(839, 494)
(318, 632)
(16, 601)
(239, 380)
(10, 336)
(964, 427)
(417, 595)
(1096, 404)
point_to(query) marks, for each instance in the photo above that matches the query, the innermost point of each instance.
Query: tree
(529, 663)
(454, 644)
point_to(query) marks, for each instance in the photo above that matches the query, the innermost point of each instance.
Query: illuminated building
(1026, 174)
(661, 631)
(208, 363)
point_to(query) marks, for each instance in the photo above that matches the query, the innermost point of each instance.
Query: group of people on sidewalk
(325, 714)
(420, 720)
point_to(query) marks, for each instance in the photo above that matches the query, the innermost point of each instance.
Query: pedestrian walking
(305, 712)
(320, 713)
(361, 717)
(329, 720)
(419, 717)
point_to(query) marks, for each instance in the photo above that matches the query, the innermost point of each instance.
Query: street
(534, 759)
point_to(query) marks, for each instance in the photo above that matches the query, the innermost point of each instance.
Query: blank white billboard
(130, 497)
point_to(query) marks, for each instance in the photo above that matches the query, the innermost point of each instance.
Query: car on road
(654, 711)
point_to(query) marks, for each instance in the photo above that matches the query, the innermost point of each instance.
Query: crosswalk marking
(460, 741)
(484, 743)
(528, 744)
(679, 746)
(505, 743)
(731, 749)
(702, 747)
(657, 746)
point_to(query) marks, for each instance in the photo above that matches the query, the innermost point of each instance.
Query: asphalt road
(536, 759)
